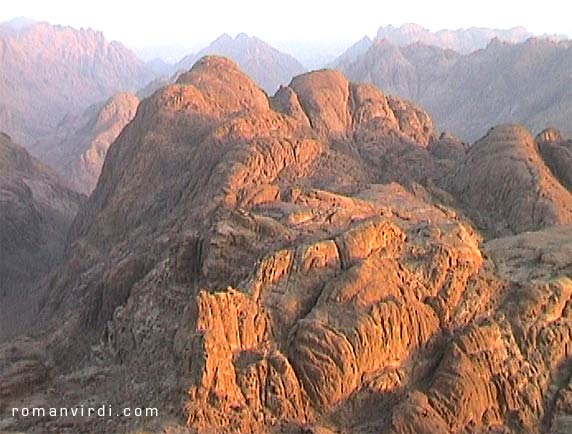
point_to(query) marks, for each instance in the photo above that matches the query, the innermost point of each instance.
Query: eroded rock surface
(506, 186)
(253, 265)
(557, 153)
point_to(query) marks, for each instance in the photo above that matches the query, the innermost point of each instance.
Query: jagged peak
(412, 28)
(225, 37)
(242, 37)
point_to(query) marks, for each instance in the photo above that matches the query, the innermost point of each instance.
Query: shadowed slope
(36, 210)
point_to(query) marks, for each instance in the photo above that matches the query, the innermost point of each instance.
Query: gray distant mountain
(528, 83)
(461, 40)
(268, 67)
(352, 53)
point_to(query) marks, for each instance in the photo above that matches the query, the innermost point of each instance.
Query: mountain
(209, 177)
(557, 153)
(527, 83)
(353, 52)
(318, 261)
(461, 40)
(78, 147)
(36, 211)
(507, 186)
(267, 66)
(49, 71)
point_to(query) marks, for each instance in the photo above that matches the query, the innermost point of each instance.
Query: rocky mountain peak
(224, 86)
(17, 24)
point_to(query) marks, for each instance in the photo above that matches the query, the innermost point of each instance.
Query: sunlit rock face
(318, 261)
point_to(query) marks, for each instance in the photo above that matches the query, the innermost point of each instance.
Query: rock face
(252, 264)
(557, 154)
(268, 67)
(50, 71)
(78, 147)
(505, 184)
(36, 210)
(467, 94)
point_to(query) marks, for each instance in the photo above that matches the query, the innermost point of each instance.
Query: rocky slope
(78, 147)
(49, 71)
(505, 184)
(289, 264)
(526, 83)
(36, 211)
(557, 153)
(268, 67)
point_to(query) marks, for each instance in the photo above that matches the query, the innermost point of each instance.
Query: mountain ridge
(50, 71)
(447, 83)
(461, 40)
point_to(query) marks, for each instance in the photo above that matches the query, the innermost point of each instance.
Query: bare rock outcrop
(557, 154)
(238, 177)
(506, 186)
(509, 370)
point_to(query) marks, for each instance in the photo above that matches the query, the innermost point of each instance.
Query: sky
(190, 23)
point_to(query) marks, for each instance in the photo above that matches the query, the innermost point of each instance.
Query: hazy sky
(146, 23)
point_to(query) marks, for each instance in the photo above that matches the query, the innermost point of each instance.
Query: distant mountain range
(461, 40)
(58, 83)
(529, 82)
(49, 71)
